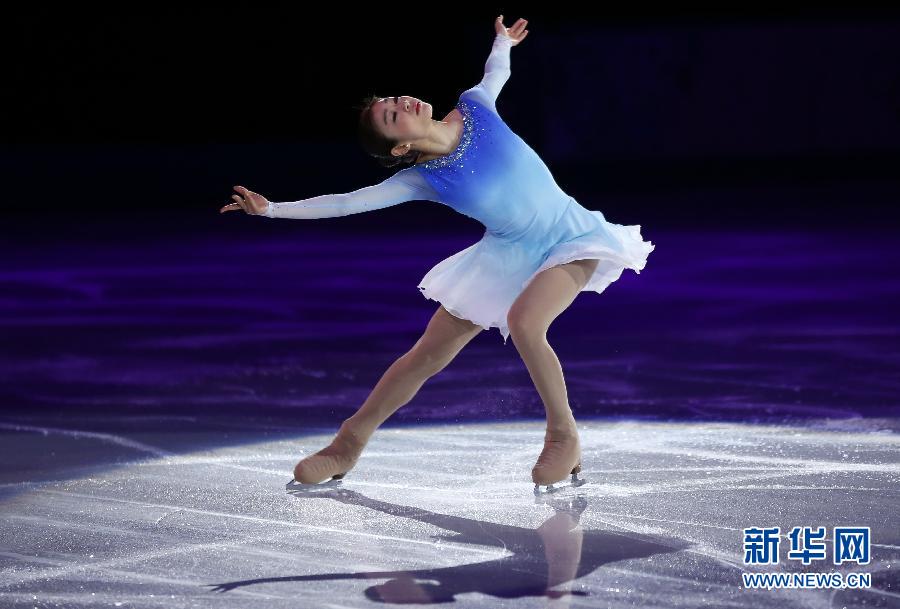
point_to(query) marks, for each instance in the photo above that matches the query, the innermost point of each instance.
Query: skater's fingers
(251, 198)
(230, 207)
(239, 202)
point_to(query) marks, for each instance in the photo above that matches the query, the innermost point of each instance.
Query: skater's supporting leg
(529, 317)
(443, 339)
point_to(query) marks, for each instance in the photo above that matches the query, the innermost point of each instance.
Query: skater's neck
(443, 138)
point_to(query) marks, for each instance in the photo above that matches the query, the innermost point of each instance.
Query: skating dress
(493, 176)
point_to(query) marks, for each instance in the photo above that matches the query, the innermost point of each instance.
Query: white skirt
(481, 282)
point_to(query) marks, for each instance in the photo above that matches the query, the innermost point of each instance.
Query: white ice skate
(325, 468)
(561, 455)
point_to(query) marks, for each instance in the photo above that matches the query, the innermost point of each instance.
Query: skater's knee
(524, 326)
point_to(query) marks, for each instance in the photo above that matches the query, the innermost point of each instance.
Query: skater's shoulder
(480, 98)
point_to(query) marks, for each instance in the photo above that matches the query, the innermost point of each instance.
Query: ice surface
(442, 513)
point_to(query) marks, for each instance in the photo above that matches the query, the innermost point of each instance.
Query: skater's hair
(374, 143)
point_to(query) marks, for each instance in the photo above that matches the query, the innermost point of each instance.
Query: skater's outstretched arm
(405, 185)
(497, 67)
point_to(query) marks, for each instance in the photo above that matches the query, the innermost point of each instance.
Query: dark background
(688, 118)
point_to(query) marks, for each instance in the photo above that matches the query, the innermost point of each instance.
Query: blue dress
(531, 223)
(493, 176)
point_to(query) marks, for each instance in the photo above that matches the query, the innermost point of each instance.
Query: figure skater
(539, 250)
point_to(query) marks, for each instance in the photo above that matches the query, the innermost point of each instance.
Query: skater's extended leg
(529, 317)
(443, 339)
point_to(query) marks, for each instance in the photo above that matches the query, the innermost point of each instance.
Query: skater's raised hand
(517, 32)
(251, 202)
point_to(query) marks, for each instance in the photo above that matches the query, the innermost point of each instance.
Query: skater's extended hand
(253, 203)
(517, 32)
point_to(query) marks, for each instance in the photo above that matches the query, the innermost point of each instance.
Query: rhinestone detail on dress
(465, 140)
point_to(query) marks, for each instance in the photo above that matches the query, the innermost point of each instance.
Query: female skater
(539, 250)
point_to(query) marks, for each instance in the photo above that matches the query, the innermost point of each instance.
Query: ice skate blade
(556, 487)
(299, 487)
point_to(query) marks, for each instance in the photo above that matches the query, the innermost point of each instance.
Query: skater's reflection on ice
(542, 562)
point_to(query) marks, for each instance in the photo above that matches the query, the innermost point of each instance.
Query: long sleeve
(405, 185)
(496, 72)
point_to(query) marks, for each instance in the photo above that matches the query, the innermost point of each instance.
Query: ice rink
(444, 513)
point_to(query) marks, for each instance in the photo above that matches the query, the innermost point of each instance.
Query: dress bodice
(494, 176)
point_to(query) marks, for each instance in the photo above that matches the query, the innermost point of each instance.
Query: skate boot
(561, 456)
(333, 461)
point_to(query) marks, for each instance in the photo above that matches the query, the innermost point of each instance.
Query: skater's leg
(529, 317)
(443, 339)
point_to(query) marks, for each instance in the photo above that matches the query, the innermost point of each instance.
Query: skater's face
(396, 118)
